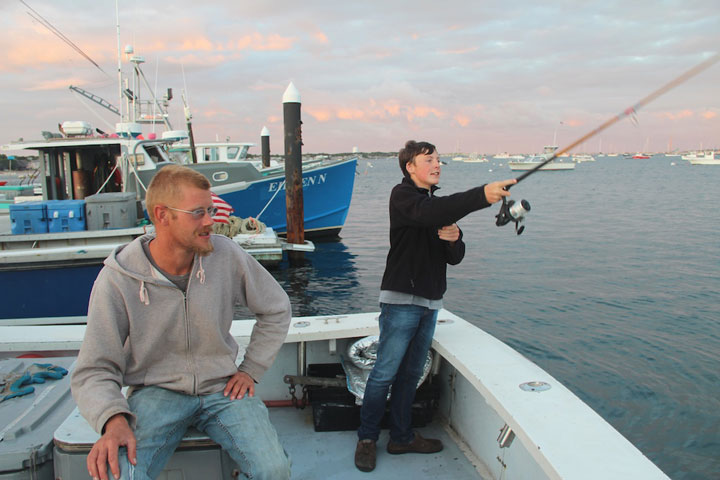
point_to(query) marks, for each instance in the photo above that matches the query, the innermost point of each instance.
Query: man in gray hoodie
(159, 322)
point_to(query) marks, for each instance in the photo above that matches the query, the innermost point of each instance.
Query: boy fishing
(424, 239)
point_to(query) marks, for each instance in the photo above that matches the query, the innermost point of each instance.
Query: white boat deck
(321, 455)
(555, 434)
(330, 455)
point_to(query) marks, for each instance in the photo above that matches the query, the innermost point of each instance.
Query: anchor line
(625, 113)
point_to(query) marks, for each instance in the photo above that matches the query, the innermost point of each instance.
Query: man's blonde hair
(165, 186)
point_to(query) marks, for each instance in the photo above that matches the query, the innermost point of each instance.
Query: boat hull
(47, 292)
(705, 161)
(327, 191)
(51, 275)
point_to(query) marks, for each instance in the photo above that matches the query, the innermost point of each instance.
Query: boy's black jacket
(417, 260)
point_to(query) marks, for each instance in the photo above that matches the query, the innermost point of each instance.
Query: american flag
(224, 209)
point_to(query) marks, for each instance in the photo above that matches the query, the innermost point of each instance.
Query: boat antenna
(625, 113)
(39, 18)
(119, 60)
(188, 117)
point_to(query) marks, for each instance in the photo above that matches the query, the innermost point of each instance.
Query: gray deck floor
(330, 455)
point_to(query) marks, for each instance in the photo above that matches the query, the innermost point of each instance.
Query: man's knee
(277, 468)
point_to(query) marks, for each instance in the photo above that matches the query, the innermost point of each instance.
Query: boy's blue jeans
(241, 427)
(406, 333)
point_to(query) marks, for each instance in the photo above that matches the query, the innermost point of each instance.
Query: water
(613, 288)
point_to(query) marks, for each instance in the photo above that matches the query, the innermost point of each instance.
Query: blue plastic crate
(28, 217)
(66, 215)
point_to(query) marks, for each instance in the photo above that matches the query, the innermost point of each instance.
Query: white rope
(267, 204)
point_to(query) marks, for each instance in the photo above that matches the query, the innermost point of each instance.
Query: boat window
(232, 153)
(210, 154)
(155, 153)
(137, 159)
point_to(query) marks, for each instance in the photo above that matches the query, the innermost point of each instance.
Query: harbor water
(613, 288)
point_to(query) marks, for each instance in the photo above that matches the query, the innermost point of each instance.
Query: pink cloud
(678, 116)
(197, 43)
(321, 115)
(216, 112)
(55, 84)
(423, 111)
(392, 108)
(709, 115)
(350, 114)
(320, 37)
(463, 120)
(259, 42)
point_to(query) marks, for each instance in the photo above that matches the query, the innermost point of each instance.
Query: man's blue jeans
(241, 427)
(406, 333)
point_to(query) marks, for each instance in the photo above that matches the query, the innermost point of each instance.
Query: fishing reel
(512, 212)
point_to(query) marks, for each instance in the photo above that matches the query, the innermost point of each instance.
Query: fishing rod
(510, 211)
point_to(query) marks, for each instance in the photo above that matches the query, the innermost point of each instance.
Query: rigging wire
(45, 23)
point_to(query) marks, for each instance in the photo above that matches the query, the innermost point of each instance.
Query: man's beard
(206, 250)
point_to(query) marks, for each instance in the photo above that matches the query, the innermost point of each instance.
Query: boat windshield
(156, 153)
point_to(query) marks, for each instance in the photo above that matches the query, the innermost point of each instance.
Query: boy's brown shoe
(365, 455)
(418, 445)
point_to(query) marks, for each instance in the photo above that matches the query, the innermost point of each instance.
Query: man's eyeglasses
(199, 213)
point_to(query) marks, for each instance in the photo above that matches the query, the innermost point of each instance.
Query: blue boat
(327, 191)
(46, 273)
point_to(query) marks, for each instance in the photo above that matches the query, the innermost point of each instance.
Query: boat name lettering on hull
(306, 182)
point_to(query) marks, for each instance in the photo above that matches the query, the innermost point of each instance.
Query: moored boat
(704, 158)
(535, 160)
(582, 157)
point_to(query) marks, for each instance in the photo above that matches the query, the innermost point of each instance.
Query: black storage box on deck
(334, 408)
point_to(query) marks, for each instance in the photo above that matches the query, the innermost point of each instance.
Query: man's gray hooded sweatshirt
(142, 330)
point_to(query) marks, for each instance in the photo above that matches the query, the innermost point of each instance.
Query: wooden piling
(293, 168)
(265, 146)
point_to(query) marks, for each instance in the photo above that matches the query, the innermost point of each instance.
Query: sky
(469, 76)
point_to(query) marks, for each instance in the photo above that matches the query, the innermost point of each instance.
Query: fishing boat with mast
(79, 162)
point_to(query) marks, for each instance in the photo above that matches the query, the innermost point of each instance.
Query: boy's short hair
(411, 150)
(165, 186)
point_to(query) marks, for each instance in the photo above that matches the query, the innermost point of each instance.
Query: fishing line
(630, 111)
(510, 211)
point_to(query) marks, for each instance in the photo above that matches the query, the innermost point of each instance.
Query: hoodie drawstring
(201, 272)
(144, 297)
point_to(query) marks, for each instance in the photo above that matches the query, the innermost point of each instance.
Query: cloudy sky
(471, 75)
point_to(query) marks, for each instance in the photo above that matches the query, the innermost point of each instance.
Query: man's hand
(117, 434)
(449, 233)
(496, 190)
(238, 384)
